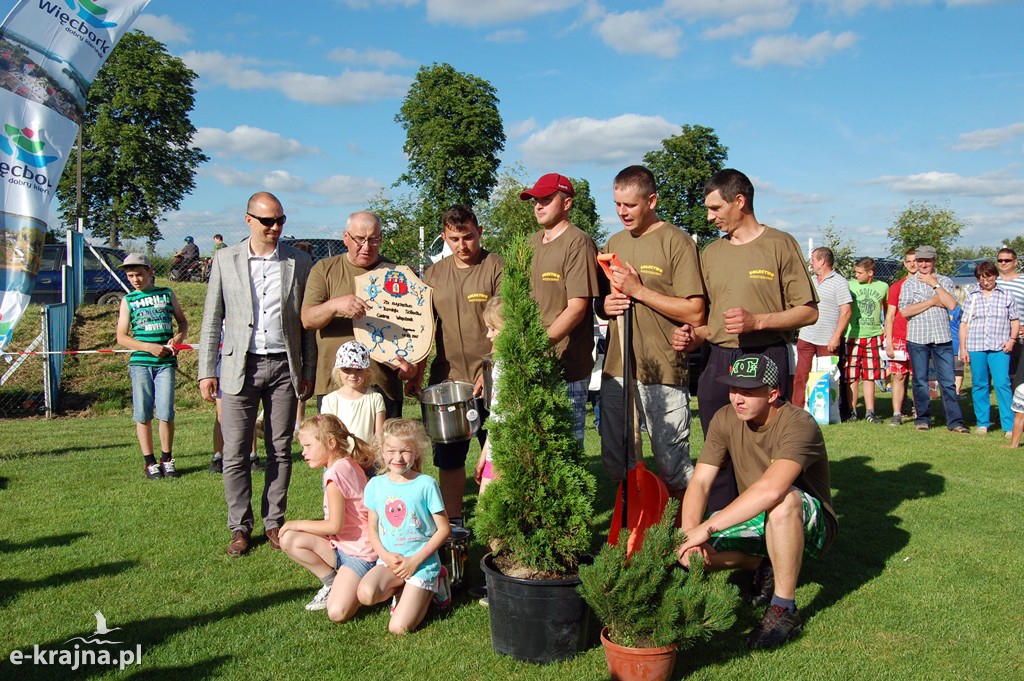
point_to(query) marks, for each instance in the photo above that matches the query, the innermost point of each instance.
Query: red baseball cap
(548, 185)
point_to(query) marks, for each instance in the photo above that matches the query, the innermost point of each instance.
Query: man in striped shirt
(1012, 282)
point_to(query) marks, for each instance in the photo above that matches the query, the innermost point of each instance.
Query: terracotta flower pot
(648, 664)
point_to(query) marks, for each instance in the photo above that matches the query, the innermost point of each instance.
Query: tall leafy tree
(138, 161)
(843, 250)
(683, 164)
(923, 224)
(453, 138)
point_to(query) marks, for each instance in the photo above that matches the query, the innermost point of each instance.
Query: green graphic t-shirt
(868, 306)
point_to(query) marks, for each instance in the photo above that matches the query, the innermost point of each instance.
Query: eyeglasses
(1004, 260)
(269, 222)
(363, 241)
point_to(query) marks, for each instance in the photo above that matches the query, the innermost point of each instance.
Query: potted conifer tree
(650, 606)
(537, 515)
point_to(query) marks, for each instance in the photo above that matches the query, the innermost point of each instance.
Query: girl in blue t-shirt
(407, 524)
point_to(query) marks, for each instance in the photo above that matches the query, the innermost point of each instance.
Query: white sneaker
(319, 601)
(443, 596)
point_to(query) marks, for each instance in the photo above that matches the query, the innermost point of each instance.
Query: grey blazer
(229, 302)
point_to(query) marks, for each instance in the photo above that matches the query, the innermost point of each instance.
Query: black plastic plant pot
(537, 621)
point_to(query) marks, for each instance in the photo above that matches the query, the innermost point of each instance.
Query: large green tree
(924, 224)
(683, 164)
(453, 136)
(138, 161)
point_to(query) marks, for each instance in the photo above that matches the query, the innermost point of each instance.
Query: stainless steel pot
(450, 411)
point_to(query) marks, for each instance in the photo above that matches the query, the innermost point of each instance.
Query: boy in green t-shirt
(863, 359)
(145, 324)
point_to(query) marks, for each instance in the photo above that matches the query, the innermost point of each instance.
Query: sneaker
(981, 430)
(762, 587)
(896, 420)
(319, 601)
(484, 602)
(852, 418)
(443, 596)
(961, 430)
(922, 426)
(153, 471)
(216, 465)
(778, 626)
(1008, 434)
(254, 464)
(169, 470)
(871, 418)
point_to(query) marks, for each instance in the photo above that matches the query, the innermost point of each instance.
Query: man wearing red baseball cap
(564, 282)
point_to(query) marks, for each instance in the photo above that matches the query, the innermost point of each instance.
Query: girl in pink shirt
(336, 549)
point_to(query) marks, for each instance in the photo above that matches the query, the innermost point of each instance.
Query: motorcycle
(197, 270)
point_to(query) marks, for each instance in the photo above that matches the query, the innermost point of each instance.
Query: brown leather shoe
(239, 543)
(272, 538)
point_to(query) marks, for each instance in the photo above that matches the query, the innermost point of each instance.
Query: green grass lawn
(923, 581)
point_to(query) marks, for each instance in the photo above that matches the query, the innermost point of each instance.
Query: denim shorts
(152, 387)
(356, 565)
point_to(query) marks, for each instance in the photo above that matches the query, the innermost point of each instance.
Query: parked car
(322, 248)
(101, 287)
(963, 272)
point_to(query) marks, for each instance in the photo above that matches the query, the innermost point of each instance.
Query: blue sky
(841, 111)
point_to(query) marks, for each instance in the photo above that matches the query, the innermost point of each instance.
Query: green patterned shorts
(748, 537)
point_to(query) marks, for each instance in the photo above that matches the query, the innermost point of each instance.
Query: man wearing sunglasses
(1011, 281)
(331, 303)
(267, 359)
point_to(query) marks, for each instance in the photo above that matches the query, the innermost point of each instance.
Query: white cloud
(794, 50)
(996, 184)
(371, 4)
(347, 190)
(490, 12)
(510, 35)
(251, 143)
(640, 33)
(230, 177)
(283, 181)
(989, 138)
(752, 23)
(350, 87)
(522, 128)
(623, 139)
(163, 28)
(725, 10)
(385, 59)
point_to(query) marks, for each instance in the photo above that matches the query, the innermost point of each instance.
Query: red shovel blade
(646, 498)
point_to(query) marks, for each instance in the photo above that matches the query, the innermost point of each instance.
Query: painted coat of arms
(400, 323)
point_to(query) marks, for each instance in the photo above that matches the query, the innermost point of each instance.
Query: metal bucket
(488, 369)
(453, 554)
(450, 411)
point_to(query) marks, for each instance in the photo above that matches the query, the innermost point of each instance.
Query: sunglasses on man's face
(269, 222)
(1004, 260)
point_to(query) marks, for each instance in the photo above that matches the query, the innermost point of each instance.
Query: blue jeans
(994, 364)
(152, 389)
(942, 356)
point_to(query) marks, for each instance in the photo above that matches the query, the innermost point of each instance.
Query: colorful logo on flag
(23, 146)
(90, 12)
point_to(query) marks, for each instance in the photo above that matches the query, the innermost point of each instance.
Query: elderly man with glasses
(331, 303)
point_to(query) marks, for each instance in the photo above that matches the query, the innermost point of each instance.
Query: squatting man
(784, 510)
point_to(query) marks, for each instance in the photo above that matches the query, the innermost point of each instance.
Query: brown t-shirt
(562, 269)
(460, 296)
(333, 278)
(666, 260)
(767, 274)
(792, 434)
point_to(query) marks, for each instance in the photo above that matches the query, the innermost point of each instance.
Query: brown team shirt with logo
(667, 262)
(333, 278)
(460, 295)
(765, 275)
(792, 434)
(562, 269)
